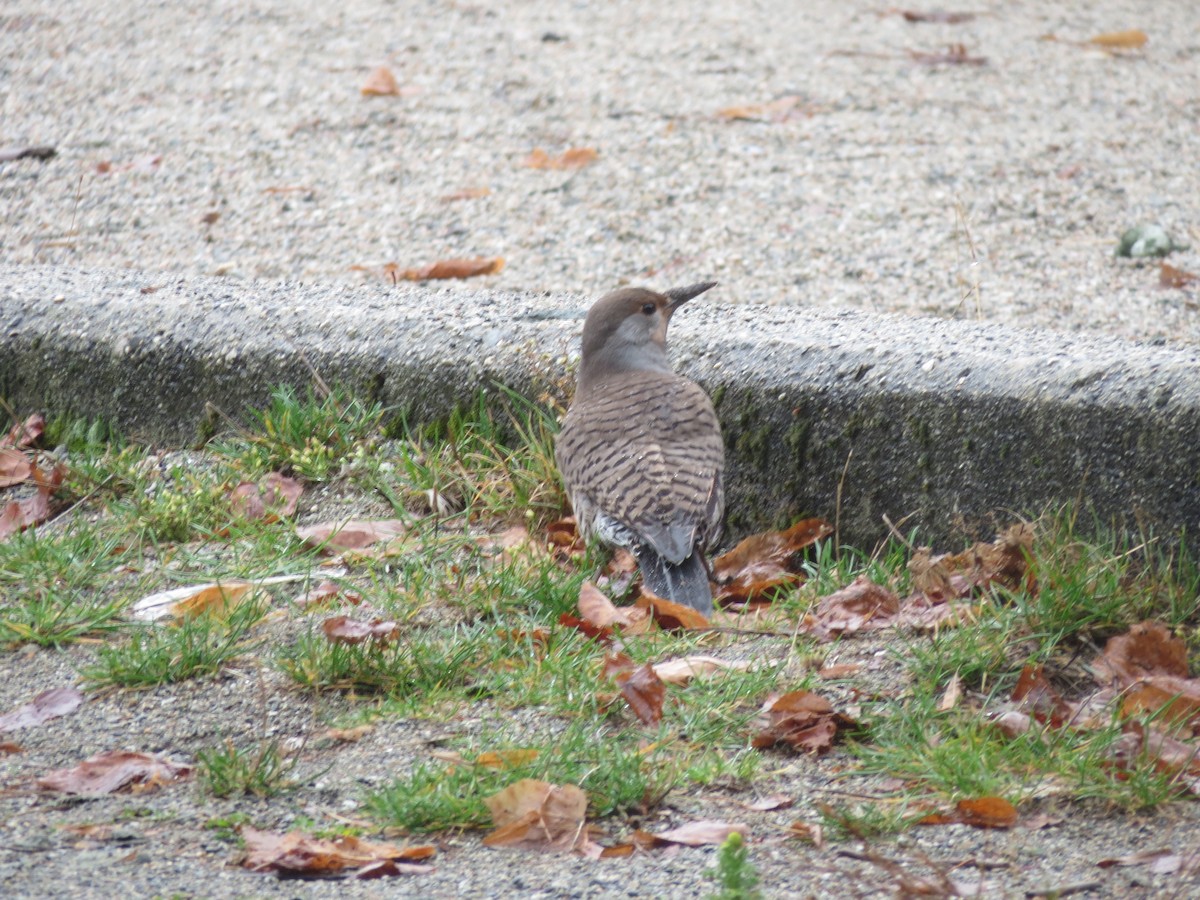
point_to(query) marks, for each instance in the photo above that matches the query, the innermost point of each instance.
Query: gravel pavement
(230, 139)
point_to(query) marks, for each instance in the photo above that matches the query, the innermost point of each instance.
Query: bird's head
(627, 330)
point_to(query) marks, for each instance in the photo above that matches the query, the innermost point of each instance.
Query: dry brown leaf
(217, 600)
(1131, 39)
(775, 801)
(810, 834)
(540, 816)
(1004, 561)
(325, 592)
(467, 193)
(644, 691)
(353, 534)
(344, 630)
(860, 606)
(1147, 649)
(839, 670)
(349, 735)
(936, 15)
(24, 434)
(573, 158)
(296, 854)
(1160, 862)
(506, 759)
(1174, 700)
(603, 635)
(801, 719)
(671, 616)
(596, 608)
(701, 834)
(953, 55)
(380, 83)
(18, 515)
(270, 500)
(779, 110)
(763, 562)
(15, 467)
(113, 770)
(1171, 277)
(9, 747)
(951, 695)
(987, 812)
(45, 706)
(681, 671)
(455, 268)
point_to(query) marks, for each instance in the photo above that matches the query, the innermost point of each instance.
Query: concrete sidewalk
(941, 425)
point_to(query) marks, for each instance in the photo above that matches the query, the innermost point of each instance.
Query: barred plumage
(640, 450)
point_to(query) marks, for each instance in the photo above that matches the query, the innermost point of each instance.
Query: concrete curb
(944, 426)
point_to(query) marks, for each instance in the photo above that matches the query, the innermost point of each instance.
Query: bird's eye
(649, 308)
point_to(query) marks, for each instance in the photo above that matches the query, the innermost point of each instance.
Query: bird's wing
(648, 453)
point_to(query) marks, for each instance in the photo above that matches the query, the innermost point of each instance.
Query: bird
(640, 449)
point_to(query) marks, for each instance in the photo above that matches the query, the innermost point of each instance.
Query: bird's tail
(686, 583)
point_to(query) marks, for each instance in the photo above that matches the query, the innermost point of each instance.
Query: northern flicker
(640, 451)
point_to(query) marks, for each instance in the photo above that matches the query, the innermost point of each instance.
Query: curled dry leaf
(681, 671)
(1039, 699)
(195, 599)
(1171, 277)
(779, 110)
(860, 606)
(597, 609)
(1132, 39)
(604, 635)
(297, 854)
(18, 515)
(573, 158)
(15, 467)
(1147, 649)
(114, 770)
(344, 630)
(24, 434)
(380, 83)
(45, 706)
(1004, 561)
(763, 562)
(981, 812)
(671, 616)
(463, 267)
(270, 500)
(353, 534)
(810, 834)
(701, 834)
(540, 816)
(801, 719)
(775, 801)
(642, 689)
(326, 592)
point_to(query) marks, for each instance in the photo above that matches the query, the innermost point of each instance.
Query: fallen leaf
(24, 434)
(860, 606)
(951, 695)
(765, 561)
(506, 759)
(296, 854)
(1004, 561)
(15, 467)
(1120, 40)
(469, 193)
(644, 691)
(987, 812)
(540, 816)
(1165, 857)
(344, 630)
(455, 268)
(353, 534)
(671, 616)
(953, 55)
(1171, 277)
(701, 834)
(936, 15)
(380, 83)
(9, 747)
(18, 515)
(779, 110)
(603, 635)
(810, 834)
(801, 719)
(270, 500)
(45, 706)
(349, 735)
(194, 599)
(1147, 649)
(681, 671)
(775, 801)
(113, 770)
(325, 592)
(573, 158)
(596, 608)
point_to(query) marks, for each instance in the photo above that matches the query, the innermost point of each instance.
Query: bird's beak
(681, 295)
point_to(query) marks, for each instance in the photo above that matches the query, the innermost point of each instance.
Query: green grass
(261, 770)
(158, 653)
(480, 649)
